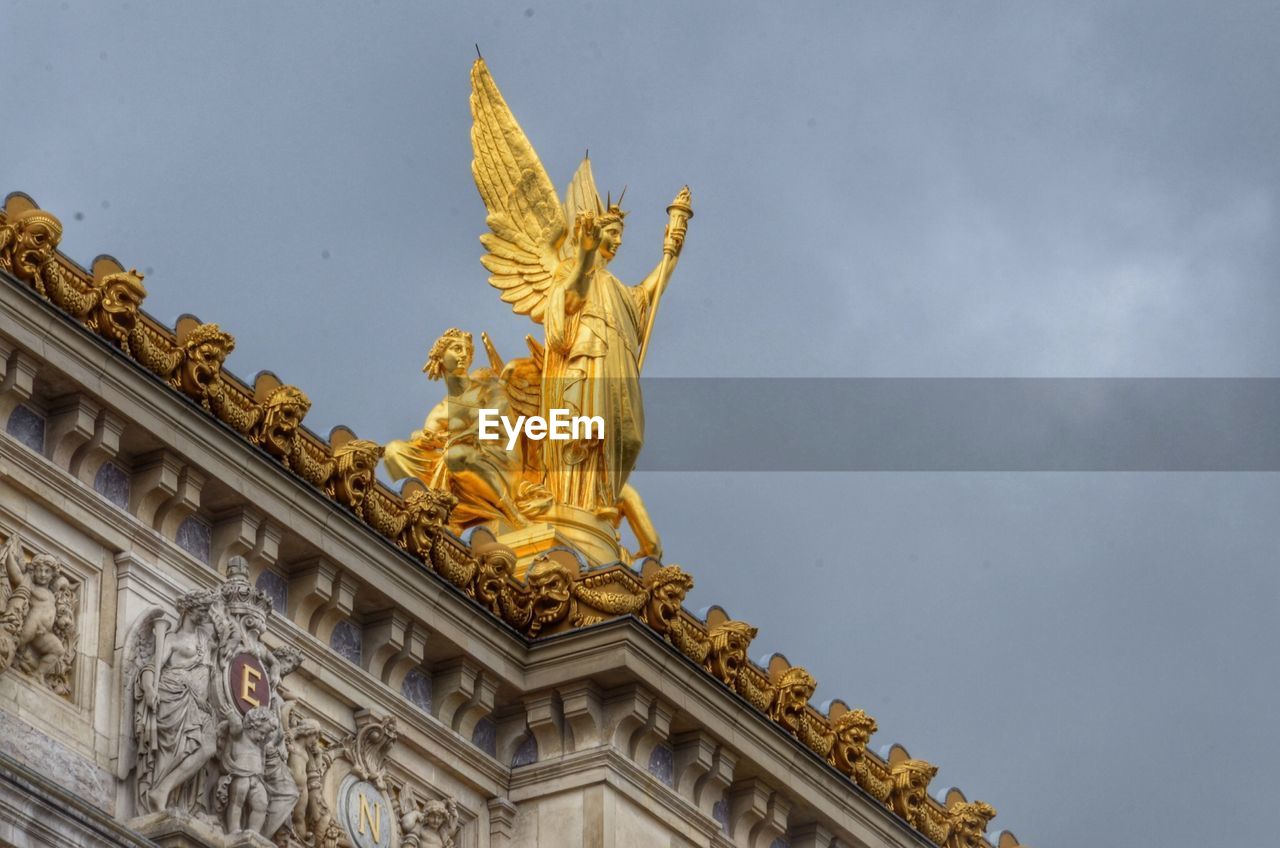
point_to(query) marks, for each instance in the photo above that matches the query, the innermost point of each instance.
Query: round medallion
(365, 814)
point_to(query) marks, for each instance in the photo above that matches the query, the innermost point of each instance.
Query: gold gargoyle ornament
(550, 260)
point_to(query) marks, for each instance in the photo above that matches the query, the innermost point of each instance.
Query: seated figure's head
(451, 354)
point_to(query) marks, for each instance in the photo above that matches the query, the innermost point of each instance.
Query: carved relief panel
(214, 739)
(207, 734)
(40, 617)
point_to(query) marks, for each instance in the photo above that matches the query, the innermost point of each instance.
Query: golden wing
(522, 380)
(526, 221)
(582, 197)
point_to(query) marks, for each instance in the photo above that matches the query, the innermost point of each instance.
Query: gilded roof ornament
(549, 257)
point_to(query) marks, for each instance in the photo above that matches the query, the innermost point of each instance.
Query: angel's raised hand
(587, 231)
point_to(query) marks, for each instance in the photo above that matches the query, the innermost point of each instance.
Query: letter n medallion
(365, 814)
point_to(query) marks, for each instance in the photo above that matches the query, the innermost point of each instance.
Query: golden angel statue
(551, 262)
(550, 259)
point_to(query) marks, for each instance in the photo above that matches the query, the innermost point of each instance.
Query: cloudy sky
(881, 190)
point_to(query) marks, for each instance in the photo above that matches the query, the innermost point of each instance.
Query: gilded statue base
(564, 527)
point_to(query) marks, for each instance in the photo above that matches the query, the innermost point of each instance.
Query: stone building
(217, 628)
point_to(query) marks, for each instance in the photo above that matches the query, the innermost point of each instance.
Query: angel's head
(611, 231)
(451, 354)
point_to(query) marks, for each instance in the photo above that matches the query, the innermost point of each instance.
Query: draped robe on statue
(593, 344)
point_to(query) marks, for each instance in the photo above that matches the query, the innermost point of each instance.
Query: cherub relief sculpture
(242, 794)
(433, 824)
(332, 836)
(239, 621)
(38, 609)
(309, 762)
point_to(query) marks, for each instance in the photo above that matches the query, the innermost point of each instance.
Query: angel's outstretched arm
(652, 285)
(678, 215)
(649, 289)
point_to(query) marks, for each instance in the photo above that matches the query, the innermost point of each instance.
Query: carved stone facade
(218, 629)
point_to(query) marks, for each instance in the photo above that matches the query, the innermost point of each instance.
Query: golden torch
(678, 215)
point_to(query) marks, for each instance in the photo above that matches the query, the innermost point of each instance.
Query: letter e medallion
(247, 680)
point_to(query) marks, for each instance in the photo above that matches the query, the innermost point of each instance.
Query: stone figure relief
(242, 795)
(309, 761)
(208, 736)
(39, 607)
(433, 824)
(175, 733)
